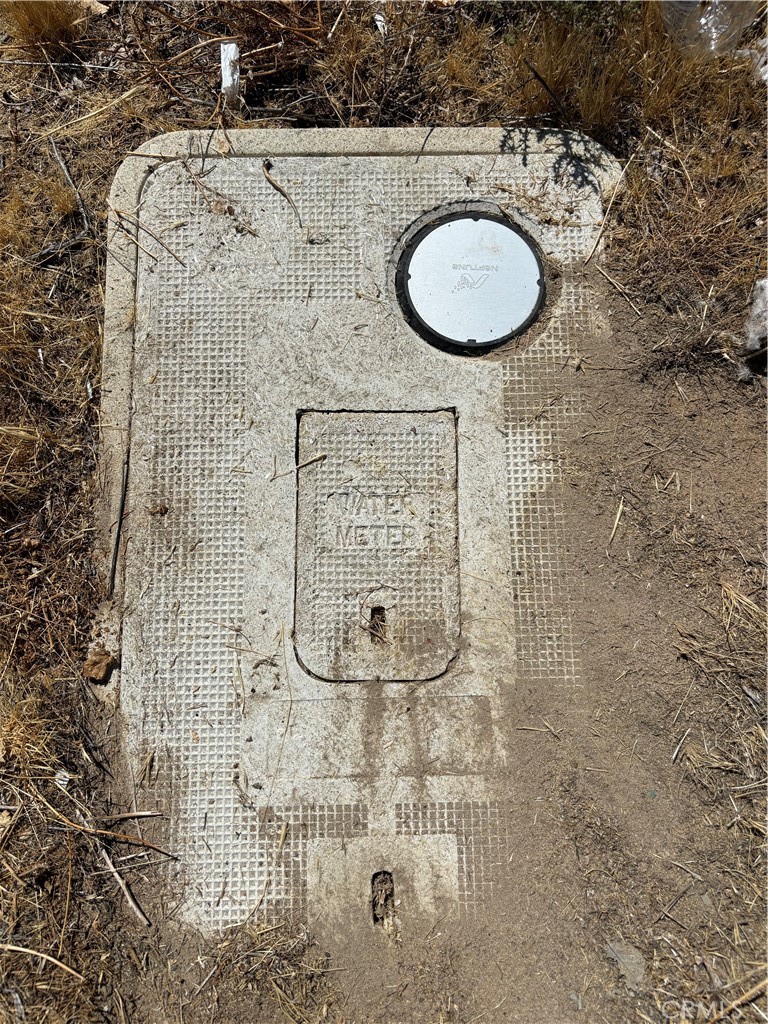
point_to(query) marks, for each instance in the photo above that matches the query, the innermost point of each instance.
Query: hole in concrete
(383, 900)
(378, 624)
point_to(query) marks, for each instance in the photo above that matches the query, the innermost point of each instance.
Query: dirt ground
(646, 845)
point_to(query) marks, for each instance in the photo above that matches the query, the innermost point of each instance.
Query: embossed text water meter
(336, 544)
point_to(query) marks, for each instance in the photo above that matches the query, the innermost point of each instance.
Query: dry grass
(687, 242)
(49, 24)
(729, 753)
(276, 965)
(724, 751)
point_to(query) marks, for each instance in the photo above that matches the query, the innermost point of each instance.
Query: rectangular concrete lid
(341, 559)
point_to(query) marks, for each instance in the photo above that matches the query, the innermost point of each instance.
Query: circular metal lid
(470, 280)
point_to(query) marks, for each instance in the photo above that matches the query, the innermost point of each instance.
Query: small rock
(631, 963)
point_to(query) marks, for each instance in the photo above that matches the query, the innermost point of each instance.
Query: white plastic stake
(230, 73)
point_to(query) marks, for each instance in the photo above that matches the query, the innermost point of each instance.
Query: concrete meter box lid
(333, 511)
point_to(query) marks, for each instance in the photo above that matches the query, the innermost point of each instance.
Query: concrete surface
(262, 394)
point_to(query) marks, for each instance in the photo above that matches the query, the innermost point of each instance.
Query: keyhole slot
(377, 627)
(383, 900)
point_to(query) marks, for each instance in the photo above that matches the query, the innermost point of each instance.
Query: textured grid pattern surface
(541, 399)
(187, 604)
(285, 833)
(188, 579)
(377, 528)
(480, 827)
(318, 251)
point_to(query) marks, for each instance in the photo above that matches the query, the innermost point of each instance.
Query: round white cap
(473, 280)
